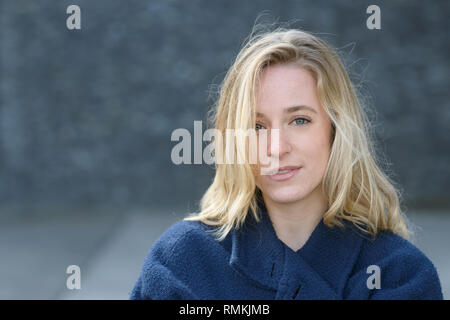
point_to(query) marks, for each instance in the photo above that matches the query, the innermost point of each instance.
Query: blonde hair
(356, 188)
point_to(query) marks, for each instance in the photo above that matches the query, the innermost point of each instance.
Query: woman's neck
(294, 222)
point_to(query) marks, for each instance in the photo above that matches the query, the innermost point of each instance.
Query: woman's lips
(284, 176)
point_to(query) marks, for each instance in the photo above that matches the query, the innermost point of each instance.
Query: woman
(325, 224)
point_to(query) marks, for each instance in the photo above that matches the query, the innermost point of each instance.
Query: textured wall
(86, 115)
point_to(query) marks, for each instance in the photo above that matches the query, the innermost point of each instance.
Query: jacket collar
(259, 255)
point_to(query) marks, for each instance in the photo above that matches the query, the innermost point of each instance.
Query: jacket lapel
(328, 255)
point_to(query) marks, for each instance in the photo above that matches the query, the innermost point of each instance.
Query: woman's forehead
(287, 88)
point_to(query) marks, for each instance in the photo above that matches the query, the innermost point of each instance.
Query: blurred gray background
(86, 118)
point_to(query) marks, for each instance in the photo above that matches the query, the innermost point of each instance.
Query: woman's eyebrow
(290, 110)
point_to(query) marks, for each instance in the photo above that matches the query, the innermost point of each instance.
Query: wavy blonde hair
(356, 188)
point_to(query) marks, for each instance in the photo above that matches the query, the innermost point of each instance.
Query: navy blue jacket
(186, 262)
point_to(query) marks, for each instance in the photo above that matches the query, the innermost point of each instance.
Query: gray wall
(86, 116)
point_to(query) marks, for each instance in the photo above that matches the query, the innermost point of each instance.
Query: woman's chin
(285, 197)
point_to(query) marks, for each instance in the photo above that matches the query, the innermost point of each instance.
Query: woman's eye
(258, 127)
(301, 121)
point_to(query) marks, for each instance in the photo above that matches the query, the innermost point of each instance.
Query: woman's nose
(279, 143)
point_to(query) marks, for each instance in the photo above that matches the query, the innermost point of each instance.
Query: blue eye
(258, 127)
(303, 121)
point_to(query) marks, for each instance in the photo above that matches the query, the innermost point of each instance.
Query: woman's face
(304, 133)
